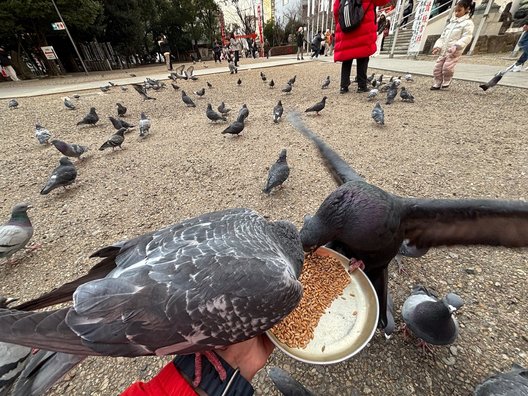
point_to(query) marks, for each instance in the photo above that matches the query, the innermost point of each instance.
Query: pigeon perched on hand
(90, 119)
(121, 110)
(372, 94)
(430, 318)
(222, 109)
(140, 89)
(68, 103)
(156, 294)
(144, 125)
(118, 123)
(235, 128)
(13, 104)
(116, 140)
(286, 384)
(42, 134)
(287, 88)
(317, 107)
(16, 233)
(243, 113)
(277, 112)
(213, 115)
(278, 173)
(406, 95)
(62, 176)
(69, 150)
(378, 115)
(510, 383)
(369, 224)
(187, 100)
(326, 83)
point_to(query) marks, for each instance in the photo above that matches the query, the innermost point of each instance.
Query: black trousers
(237, 58)
(217, 57)
(362, 66)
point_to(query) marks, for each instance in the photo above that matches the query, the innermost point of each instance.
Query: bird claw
(424, 346)
(34, 247)
(355, 264)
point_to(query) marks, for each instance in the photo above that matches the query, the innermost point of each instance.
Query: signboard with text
(421, 18)
(58, 26)
(49, 52)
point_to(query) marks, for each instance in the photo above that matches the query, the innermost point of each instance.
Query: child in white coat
(455, 37)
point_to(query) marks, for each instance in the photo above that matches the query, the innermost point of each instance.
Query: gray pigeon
(278, 173)
(495, 80)
(370, 224)
(277, 112)
(62, 176)
(391, 93)
(317, 107)
(121, 110)
(176, 87)
(372, 94)
(209, 85)
(243, 113)
(222, 109)
(42, 134)
(378, 115)
(430, 318)
(124, 89)
(13, 104)
(68, 103)
(140, 89)
(187, 100)
(326, 83)
(286, 384)
(190, 73)
(408, 77)
(90, 119)
(291, 81)
(16, 233)
(406, 95)
(200, 93)
(118, 123)
(271, 84)
(239, 82)
(156, 294)
(287, 89)
(69, 150)
(144, 125)
(213, 115)
(105, 88)
(236, 127)
(510, 383)
(115, 140)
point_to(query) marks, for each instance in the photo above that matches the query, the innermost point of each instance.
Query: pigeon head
(121, 131)
(290, 241)
(324, 98)
(65, 161)
(282, 155)
(209, 106)
(20, 208)
(433, 322)
(312, 233)
(92, 110)
(58, 143)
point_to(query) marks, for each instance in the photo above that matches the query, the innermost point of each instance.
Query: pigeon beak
(29, 206)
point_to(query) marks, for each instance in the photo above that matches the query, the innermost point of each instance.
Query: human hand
(249, 356)
(435, 51)
(452, 49)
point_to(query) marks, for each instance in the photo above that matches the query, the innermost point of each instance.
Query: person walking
(267, 48)
(165, 50)
(235, 46)
(217, 51)
(382, 23)
(7, 64)
(358, 44)
(523, 46)
(300, 42)
(406, 13)
(327, 41)
(455, 37)
(316, 43)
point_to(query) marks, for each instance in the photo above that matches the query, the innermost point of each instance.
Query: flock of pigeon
(114, 314)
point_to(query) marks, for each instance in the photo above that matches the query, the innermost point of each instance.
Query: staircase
(402, 44)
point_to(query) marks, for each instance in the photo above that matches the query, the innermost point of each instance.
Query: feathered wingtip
(484, 86)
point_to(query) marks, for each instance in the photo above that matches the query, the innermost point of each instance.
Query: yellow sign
(268, 9)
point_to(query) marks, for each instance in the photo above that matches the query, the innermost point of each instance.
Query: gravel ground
(449, 144)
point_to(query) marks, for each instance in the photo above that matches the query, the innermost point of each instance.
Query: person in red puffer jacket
(358, 44)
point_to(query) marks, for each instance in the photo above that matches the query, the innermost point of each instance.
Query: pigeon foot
(425, 347)
(34, 247)
(213, 359)
(354, 264)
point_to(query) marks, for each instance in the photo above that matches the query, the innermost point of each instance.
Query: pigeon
(317, 107)
(118, 123)
(408, 77)
(222, 109)
(16, 233)
(510, 383)
(369, 224)
(277, 112)
(239, 82)
(187, 100)
(326, 83)
(232, 67)
(271, 84)
(391, 93)
(372, 94)
(430, 318)
(132, 75)
(287, 385)
(213, 115)
(69, 150)
(176, 87)
(287, 88)
(121, 110)
(62, 176)
(291, 81)
(263, 78)
(90, 119)
(116, 140)
(495, 80)
(140, 89)
(179, 73)
(406, 95)
(112, 84)
(144, 125)
(105, 88)
(124, 89)
(209, 85)
(390, 327)
(378, 115)
(77, 96)
(13, 104)
(407, 250)
(42, 134)
(235, 128)
(243, 113)
(380, 79)
(190, 73)
(278, 173)
(369, 79)
(68, 103)
(215, 280)
(200, 93)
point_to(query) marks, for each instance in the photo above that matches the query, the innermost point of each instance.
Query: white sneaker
(516, 68)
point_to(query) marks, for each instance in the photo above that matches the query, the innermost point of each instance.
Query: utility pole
(69, 35)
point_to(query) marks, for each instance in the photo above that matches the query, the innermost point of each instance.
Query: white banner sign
(421, 18)
(395, 16)
(49, 52)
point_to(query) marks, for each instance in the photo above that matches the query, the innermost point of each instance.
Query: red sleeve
(169, 382)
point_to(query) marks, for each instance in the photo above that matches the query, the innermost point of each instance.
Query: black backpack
(350, 14)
